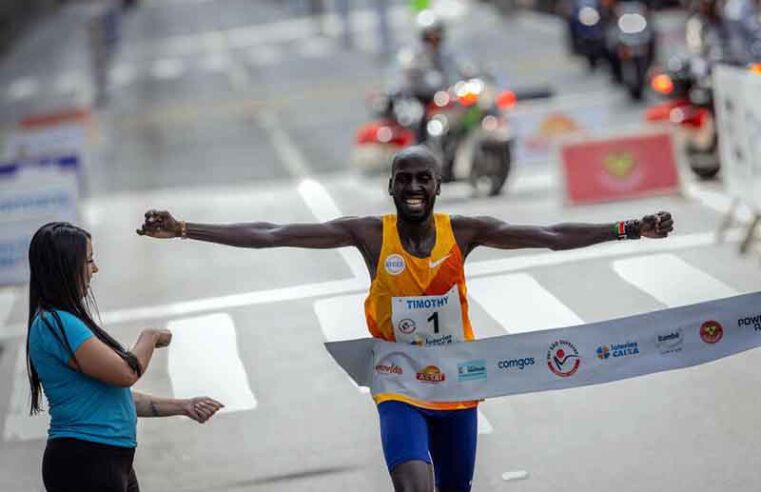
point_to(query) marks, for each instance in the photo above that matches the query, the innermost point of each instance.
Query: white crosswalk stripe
(516, 301)
(19, 425)
(520, 304)
(219, 372)
(671, 280)
(342, 318)
(168, 68)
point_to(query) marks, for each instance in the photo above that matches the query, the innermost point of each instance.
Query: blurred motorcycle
(585, 30)
(464, 125)
(686, 83)
(630, 46)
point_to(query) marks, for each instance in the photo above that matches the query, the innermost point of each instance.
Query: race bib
(428, 320)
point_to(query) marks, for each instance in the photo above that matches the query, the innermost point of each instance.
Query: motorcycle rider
(706, 33)
(429, 66)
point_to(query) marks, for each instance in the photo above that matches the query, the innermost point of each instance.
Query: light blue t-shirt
(81, 407)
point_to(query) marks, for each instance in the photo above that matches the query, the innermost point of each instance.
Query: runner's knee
(412, 476)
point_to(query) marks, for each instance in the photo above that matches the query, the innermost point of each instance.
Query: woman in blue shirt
(86, 374)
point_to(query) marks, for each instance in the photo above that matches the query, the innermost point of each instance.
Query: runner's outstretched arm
(494, 233)
(333, 234)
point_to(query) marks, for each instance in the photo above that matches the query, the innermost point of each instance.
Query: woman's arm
(199, 409)
(99, 361)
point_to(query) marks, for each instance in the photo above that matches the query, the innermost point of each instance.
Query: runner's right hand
(159, 224)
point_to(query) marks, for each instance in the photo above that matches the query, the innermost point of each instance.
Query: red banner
(619, 168)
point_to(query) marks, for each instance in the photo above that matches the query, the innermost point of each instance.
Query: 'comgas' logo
(711, 332)
(563, 359)
(394, 264)
(431, 374)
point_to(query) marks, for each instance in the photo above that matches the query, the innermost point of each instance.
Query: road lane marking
(19, 425)
(347, 286)
(204, 361)
(343, 318)
(324, 208)
(168, 68)
(520, 304)
(23, 88)
(601, 251)
(484, 427)
(671, 280)
(7, 300)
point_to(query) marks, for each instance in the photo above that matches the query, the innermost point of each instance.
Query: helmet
(429, 26)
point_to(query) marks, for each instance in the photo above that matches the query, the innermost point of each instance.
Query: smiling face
(415, 182)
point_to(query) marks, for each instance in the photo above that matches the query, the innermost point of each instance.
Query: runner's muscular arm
(494, 233)
(332, 234)
(364, 233)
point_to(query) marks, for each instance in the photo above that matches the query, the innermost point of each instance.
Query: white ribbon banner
(556, 359)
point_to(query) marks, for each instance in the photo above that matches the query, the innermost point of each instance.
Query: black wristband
(633, 229)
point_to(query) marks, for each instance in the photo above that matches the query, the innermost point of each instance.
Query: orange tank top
(419, 300)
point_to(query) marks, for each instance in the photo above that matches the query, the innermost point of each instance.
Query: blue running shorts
(445, 438)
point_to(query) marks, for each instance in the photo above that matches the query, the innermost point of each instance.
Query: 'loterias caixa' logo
(711, 332)
(431, 374)
(563, 359)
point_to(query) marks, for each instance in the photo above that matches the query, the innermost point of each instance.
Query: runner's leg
(453, 436)
(404, 435)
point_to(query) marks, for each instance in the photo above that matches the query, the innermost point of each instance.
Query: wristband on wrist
(628, 229)
(620, 229)
(183, 230)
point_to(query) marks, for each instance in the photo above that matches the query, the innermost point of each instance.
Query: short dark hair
(418, 153)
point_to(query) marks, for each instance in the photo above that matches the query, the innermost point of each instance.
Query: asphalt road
(253, 120)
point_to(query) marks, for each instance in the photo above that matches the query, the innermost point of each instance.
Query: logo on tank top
(394, 264)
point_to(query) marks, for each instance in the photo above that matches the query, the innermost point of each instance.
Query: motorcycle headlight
(437, 126)
(632, 23)
(589, 16)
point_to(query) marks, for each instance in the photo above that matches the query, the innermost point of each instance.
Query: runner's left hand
(202, 408)
(656, 226)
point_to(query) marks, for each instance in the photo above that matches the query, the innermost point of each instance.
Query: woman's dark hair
(57, 257)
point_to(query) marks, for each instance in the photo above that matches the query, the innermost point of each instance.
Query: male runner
(416, 253)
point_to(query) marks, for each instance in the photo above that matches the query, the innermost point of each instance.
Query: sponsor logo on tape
(391, 369)
(394, 264)
(604, 352)
(471, 370)
(711, 332)
(670, 342)
(431, 374)
(563, 358)
(754, 321)
(432, 341)
(518, 364)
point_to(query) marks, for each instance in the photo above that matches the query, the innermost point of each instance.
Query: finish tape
(559, 358)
